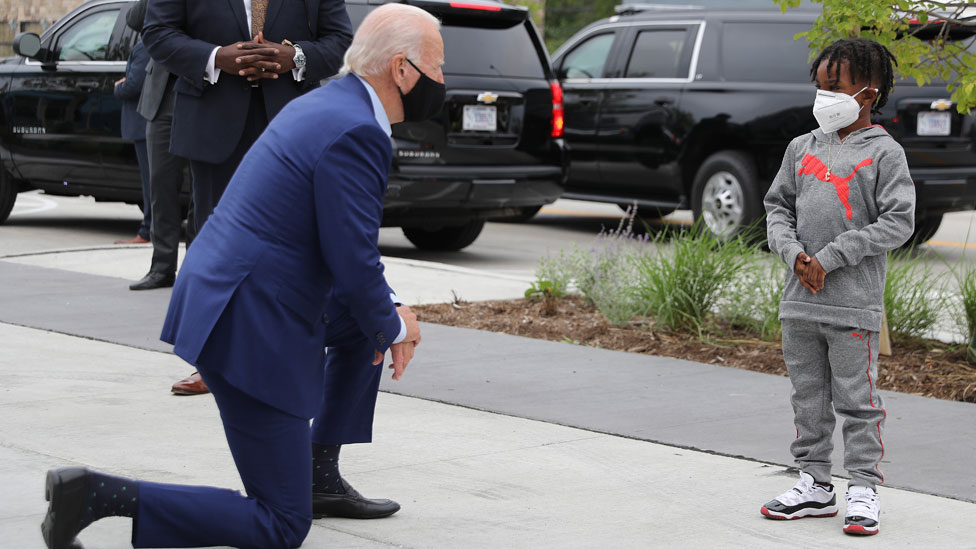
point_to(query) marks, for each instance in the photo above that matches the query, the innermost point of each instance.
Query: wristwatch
(299, 58)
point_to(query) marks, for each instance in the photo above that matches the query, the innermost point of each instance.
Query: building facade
(29, 15)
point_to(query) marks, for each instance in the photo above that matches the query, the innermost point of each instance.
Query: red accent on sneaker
(858, 530)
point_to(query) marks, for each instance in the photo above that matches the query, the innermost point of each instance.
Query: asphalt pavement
(489, 441)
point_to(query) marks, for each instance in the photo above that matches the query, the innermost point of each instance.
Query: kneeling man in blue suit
(258, 301)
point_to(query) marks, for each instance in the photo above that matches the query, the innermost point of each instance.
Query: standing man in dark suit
(128, 90)
(287, 265)
(165, 172)
(239, 62)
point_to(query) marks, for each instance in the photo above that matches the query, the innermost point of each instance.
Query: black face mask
(424, 101)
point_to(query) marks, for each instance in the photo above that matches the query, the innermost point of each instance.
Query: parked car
(494, 150)
(694, 108)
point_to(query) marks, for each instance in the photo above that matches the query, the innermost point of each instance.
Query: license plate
(480, 118)
(934, 123)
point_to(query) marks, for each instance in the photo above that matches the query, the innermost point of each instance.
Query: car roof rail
(635, 8)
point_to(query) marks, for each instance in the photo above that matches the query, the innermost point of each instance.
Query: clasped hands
(256, 59)
(810, 272)
(402, 352)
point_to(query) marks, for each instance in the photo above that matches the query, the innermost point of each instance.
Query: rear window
(483, 51)
(764, 52)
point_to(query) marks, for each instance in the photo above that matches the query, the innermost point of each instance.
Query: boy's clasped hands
(810, 272)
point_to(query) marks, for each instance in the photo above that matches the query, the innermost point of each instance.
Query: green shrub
(604, 273)
(966, 277)
(752, 302)
(913, 295)
(681, 284)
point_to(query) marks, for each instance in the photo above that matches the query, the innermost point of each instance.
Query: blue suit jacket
(291, 245)
(208, 119)
(133, 124)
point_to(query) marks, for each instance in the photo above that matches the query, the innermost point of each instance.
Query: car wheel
(725, 195)
(445, 239)
(925, 229)
(8, 194)
(648, 212)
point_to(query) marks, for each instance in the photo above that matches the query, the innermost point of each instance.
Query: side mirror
(27, 44)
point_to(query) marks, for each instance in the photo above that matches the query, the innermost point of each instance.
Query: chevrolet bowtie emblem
(941, 104)
(487, 98)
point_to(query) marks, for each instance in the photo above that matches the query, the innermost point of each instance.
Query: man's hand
(251, 60)
(410, 319)
(261, 58)
(119, 81)
(402, 352)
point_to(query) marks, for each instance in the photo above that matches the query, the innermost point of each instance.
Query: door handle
(664, 101)
(87, 85)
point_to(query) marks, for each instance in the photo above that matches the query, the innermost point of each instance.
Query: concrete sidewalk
(465, 476)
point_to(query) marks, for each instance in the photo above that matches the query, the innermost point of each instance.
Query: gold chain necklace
(830, 142)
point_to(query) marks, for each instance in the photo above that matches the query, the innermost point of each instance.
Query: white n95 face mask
(835, 110)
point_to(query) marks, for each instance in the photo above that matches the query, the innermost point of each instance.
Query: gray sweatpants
(835, 369)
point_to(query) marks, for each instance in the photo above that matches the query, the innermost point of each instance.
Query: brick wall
(29, 15)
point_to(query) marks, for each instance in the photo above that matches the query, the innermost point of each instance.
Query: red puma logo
(813, 166)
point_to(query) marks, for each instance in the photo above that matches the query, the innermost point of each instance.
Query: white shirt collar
(378, 111)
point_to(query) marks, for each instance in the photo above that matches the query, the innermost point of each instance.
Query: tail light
(472, 6)
(558, 114)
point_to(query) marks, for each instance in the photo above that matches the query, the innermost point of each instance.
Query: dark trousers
(142, 157)
(210, 180)
(165, 181)
(272, 451)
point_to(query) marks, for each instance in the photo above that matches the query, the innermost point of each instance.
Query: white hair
(388, 30)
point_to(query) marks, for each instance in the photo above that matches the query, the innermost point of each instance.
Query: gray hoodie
(848, 220)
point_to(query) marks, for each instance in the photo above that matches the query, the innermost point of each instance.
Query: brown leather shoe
(137, 240)
(192, 385)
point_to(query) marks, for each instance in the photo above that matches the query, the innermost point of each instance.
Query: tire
(725, 196)
(445, 239)
(8, 194)
(925, 229)
(647, 212)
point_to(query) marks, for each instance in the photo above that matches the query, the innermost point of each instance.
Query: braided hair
(868, 62)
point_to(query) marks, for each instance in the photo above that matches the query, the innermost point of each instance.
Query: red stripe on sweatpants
(871, 398)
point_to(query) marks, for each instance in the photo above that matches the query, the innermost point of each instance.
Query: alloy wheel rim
(722, 204)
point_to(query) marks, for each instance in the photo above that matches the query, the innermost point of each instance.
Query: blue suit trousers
(272, 451)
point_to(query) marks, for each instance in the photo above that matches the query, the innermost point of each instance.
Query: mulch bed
(925, 368)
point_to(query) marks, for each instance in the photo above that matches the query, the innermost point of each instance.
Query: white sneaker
(806, 499)
(863, 511)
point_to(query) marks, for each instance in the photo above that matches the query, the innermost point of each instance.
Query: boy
(842, 199)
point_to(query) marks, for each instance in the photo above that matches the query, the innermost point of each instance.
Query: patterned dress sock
(110, 496)
(325, 469)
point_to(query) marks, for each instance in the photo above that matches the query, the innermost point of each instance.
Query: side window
(588, 59)
(659, 53)
(87, 39)
(764, 52)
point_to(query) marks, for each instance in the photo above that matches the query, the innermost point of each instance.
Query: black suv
(494, 151)
(679, 108)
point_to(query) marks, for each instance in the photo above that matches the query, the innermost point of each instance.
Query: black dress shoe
(154, 280)
(66, 489)
(351, 505)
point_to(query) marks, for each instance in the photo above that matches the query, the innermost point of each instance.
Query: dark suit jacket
(133, 124)
(292, 244)
(209, 119)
